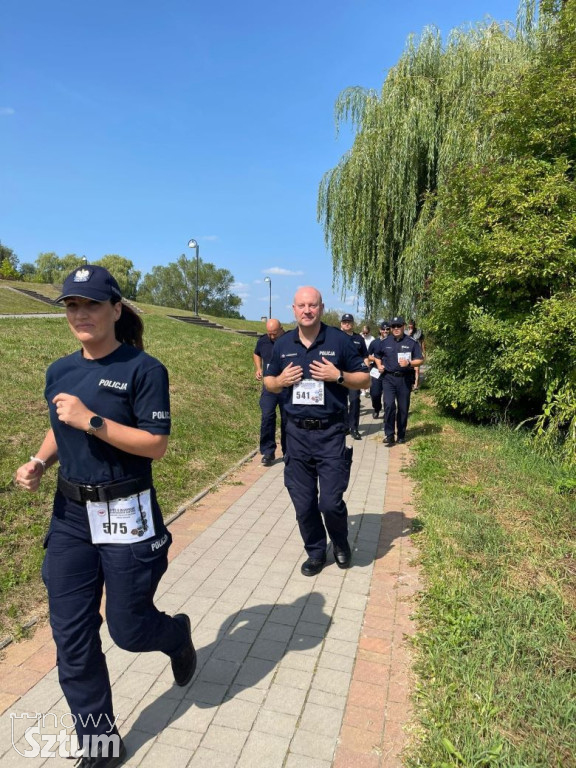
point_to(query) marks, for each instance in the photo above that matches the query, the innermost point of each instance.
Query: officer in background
(376, 378)
(268, 400)
(368, 339)
(396, 358)
(347, 325)
(318, 365)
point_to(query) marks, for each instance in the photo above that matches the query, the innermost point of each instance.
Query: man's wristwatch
(340, 379)
(96, 423)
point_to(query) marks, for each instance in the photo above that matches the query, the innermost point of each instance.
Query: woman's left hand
(72, 411)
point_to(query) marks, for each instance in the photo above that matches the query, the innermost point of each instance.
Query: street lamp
(84, 260)
(269, 281)
(194, 244)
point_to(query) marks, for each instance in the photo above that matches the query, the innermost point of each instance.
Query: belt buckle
(91, 492)
(311, 424)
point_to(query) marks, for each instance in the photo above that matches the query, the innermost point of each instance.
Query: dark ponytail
(129, 328)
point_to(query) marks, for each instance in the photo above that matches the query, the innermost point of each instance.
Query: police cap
(347, 318)
(90, 282)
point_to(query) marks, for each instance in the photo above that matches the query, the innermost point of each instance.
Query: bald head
(274, 328)
(308, 307)
(308, 294)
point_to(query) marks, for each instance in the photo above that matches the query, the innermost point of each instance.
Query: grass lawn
(496, 650)
(14, 303)
(216, 418)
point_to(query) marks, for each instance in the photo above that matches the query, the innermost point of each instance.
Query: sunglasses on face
(395, 326)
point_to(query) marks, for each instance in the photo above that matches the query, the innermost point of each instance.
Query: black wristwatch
(96, 423)
(340, 379)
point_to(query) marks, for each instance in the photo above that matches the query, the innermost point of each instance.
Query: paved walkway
(293, 672)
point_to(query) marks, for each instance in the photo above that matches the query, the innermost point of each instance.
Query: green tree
(503, 288)
(51, 268)
(8, 263)
(27, 272)
(124, 272)
(175, 286)
(376, 204)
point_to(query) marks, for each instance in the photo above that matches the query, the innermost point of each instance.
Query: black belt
(398, 373)
(318, 423)
(108, 492)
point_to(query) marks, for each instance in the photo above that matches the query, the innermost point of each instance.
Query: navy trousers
(397, 391)
(74, 572)
(353, 409)
(376, 389)
(269, 401)
(316, 474)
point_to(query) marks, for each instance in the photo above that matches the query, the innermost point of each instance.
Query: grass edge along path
(496, 645)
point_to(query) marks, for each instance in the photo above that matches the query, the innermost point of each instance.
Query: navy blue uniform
(376, 385)
(130, 387)
(269, 401)
(354, 394)
(317, 462)
(397, 381)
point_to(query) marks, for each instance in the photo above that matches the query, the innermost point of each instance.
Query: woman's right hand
(29, 475)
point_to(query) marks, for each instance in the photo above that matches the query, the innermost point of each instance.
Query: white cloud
(243, 295)
(7, 111)
(280, 271)
(240, 286)
(274, 296)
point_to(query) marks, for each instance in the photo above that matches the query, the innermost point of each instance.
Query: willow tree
(377, 204)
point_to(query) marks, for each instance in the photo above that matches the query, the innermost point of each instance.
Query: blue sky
(132, 126)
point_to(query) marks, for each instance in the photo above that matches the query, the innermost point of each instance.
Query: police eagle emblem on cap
(81, 275)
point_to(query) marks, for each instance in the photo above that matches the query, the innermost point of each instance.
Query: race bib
(404, 356)
(121, 521)
(308, 392)
(375, 373)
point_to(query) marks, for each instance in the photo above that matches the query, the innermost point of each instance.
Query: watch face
(96, 422)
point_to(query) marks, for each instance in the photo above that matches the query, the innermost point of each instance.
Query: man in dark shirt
(396, 358)
(347, 325)
(268, 400)
(376, 378)
(317, 364)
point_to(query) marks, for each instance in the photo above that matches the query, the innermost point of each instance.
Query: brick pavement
(292, 671)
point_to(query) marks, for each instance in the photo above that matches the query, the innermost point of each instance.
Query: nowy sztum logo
(54, 735)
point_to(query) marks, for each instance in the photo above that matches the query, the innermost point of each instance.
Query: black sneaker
(389, 441)
(355, 435)
(184, 661)
(268, 460)
(401, 440)
(103, 761)
(376, 415)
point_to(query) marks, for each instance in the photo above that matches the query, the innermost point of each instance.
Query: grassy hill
(12, 302)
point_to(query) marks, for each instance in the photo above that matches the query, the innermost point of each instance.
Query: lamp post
(269, 281)
(194, 244)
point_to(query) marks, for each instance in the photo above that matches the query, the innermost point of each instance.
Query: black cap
(397, 321)
(90, 282)
(384, 325)
(347, 318)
